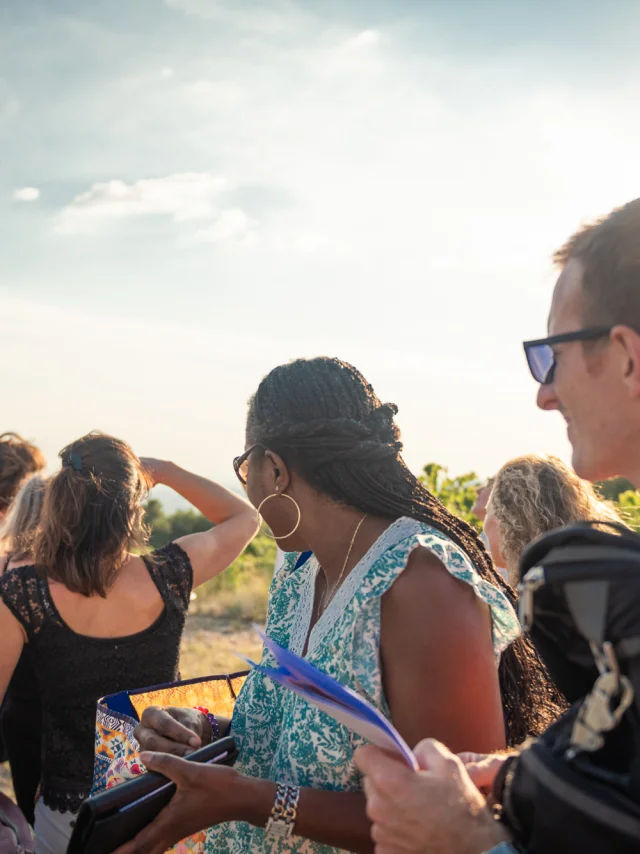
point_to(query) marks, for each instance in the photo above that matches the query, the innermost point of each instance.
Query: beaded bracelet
(215, 729)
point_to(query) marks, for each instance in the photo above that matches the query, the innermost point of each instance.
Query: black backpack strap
(588, 603)
(577, 796)
(628, 647)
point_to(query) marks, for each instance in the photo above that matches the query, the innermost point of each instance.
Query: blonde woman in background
(21, 717)
(18, 528)
(532, 495)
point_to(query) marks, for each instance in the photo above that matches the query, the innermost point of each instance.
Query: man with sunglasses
(589, 370)
(589, 366)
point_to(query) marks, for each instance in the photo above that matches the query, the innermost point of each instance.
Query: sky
(194, 191)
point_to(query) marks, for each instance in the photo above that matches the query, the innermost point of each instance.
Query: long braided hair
(325, 420)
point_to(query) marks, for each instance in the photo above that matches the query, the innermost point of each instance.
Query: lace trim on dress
(452, 557)
(399, 530)
(66, 799)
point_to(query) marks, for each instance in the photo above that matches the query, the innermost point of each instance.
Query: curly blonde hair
(535, 494)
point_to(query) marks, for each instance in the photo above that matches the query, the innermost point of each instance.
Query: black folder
(113, 817)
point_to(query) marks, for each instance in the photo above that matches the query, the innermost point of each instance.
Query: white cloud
(209, 94)
(276, 17)
(232, 226)
(367, 38)
(294, 240)
(167, 73)
(27, 194)
(198, 8)
(190, 195)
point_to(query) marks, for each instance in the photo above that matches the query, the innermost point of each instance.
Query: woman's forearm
(331, 818)
(216, 503)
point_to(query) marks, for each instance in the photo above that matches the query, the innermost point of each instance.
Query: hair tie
(74, 461)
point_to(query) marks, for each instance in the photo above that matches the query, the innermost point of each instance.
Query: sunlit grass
(220, 617)
(240, 592)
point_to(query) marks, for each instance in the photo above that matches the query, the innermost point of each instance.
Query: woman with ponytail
(399, 602)
(95, 612)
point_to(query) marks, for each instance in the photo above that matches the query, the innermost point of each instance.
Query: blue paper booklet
(327, 694)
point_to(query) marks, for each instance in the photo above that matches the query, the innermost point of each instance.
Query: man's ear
(627, 341)
(277, 472)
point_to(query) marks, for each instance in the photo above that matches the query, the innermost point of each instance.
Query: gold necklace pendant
(324, 605)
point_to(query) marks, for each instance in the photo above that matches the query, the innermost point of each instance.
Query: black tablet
(113, 817)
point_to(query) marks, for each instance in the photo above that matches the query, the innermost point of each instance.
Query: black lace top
(74, 671)
(23, 686)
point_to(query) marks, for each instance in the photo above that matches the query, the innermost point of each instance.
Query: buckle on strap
(603, 708)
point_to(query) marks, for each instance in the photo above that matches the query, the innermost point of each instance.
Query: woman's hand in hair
(175, 730)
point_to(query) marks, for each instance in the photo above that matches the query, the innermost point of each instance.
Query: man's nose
(546, 397)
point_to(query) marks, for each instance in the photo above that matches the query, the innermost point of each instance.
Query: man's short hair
(609, 251)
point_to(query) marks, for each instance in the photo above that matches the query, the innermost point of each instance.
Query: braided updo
(325, 420)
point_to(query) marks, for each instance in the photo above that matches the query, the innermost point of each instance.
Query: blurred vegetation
(164, 528)
(240, 592)
(612, 489)
(458, 494)
(629, 503)
(621, 492)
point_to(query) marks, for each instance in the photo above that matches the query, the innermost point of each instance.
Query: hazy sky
(193, 191)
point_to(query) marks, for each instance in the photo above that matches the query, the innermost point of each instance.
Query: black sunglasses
(541, 358)
(241, 463)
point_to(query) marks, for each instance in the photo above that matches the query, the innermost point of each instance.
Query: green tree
(165, 528)
(458, 494)
(612, 489)
(629, 502)
(156, 520)
(185, 522)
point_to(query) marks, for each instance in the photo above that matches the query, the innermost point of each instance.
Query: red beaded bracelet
(215, 729)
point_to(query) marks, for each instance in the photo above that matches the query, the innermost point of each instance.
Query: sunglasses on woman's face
(241, 464)
(541, 358)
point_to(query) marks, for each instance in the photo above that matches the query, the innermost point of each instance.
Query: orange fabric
(217, 694)
(117, 758)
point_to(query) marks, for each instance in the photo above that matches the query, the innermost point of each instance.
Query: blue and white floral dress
(283, 738)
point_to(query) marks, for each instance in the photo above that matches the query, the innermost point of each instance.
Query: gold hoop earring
(280, 495)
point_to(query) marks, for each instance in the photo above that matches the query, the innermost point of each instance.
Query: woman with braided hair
(399, 601)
